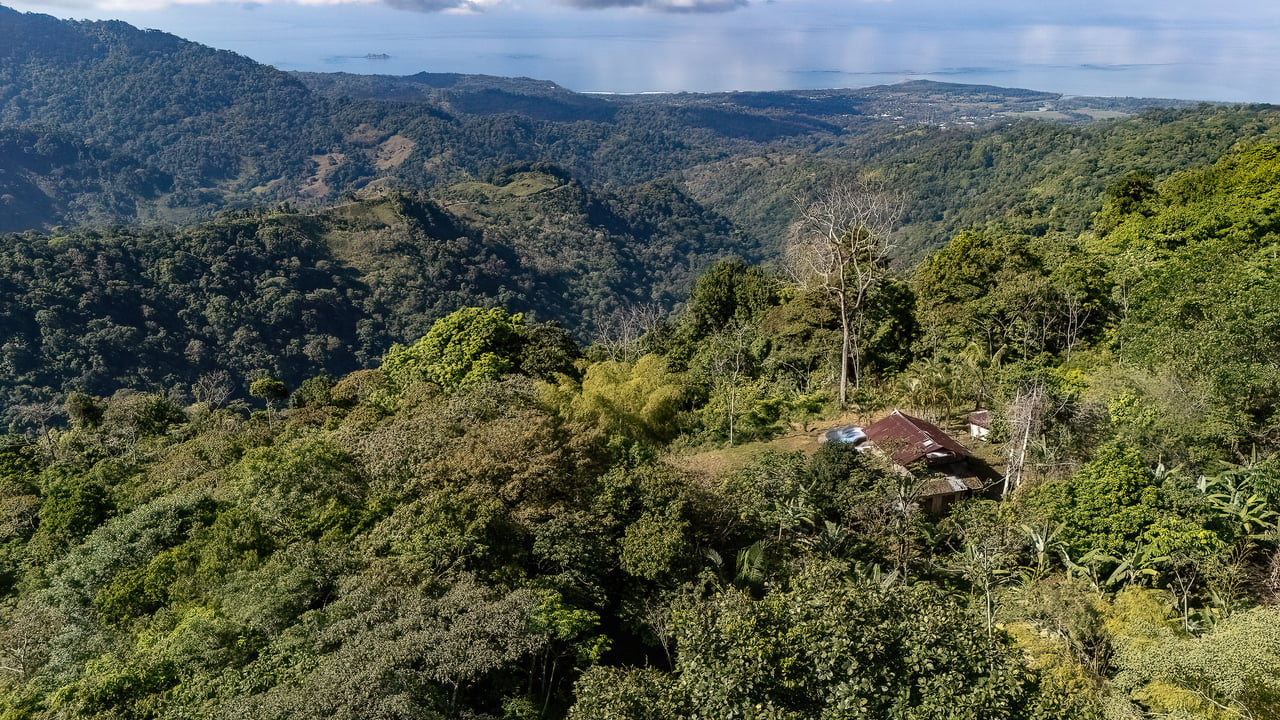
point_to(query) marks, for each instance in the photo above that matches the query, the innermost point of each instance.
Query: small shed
(947, 486)
(979, 424)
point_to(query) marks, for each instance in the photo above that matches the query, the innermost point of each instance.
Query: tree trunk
(844, 351)
(855, 344)
(732, 403)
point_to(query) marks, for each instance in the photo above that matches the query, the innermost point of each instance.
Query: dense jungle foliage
(497, 521)
(456, 204)
(494, 400)
(47, 175)
(289, 294)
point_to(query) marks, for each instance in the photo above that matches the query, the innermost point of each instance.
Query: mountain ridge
(234, 133)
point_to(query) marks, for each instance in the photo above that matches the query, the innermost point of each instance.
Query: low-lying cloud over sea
(1174, 48)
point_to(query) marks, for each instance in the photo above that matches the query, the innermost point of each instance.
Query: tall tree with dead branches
(840, 244)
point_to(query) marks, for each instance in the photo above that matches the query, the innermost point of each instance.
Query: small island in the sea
(377, 56)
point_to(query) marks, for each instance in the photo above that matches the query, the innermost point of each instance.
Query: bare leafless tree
(1076, 315)
(214, 388)
(39, 413)
(619, 336)
(841, 245)
(25, 631)
(1026, 420)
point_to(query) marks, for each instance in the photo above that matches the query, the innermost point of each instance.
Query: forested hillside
(288, 293)
(46, 175)
(645, 193)
(1030, 176)
(461, 397)
(531, 237)
(204, 130)
(211, 119)
(494, 521)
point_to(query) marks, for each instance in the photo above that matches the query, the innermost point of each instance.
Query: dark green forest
(461, 397)
(288, 294)
(497, 521)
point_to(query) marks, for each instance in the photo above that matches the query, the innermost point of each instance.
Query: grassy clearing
(715, 462)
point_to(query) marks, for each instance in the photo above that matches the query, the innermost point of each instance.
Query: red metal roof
(909, 440)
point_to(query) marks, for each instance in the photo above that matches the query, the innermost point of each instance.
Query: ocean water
(1166, 52)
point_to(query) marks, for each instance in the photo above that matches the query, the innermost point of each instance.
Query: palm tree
(977, 369)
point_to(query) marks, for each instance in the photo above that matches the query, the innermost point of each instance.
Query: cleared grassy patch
(717, 461)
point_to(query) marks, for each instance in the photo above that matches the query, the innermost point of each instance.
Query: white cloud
(427, 6)
(662, 5)
(132, 5)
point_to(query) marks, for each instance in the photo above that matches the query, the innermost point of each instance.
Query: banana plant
(751, 564)
(874, 575)
(830, 541)
(1136, 568)
(1089, 565)
(1231, 497)
(1045, 541)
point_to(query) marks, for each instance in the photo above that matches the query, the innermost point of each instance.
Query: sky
(1227, 50)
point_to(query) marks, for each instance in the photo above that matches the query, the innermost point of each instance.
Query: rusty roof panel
(909, 440)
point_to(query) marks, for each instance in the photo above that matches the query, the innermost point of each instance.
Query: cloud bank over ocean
(1171, 48)
(425, 6)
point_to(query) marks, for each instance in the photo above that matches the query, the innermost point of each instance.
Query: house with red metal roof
(915, 444)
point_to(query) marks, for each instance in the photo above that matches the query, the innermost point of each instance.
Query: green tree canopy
(468, 346)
